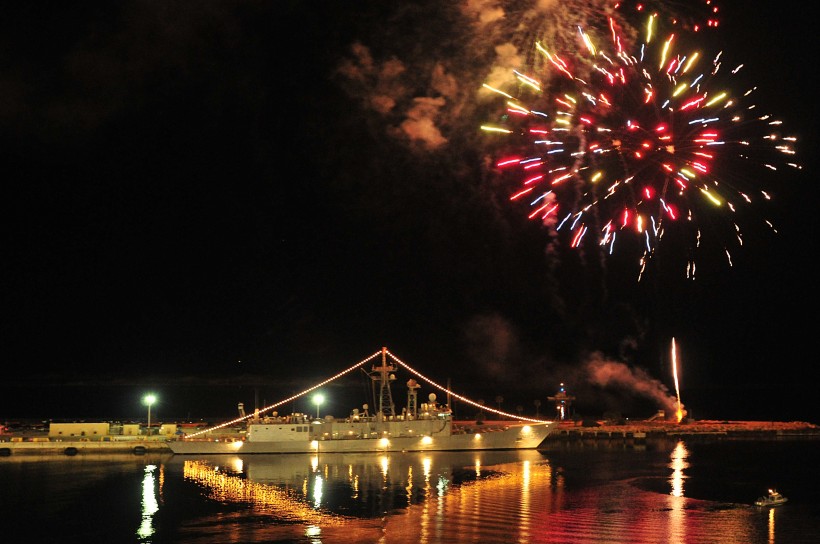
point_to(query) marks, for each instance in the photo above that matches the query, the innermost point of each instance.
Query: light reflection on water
(678, 466)
(477, 497)
(586, 492)
(149, 504)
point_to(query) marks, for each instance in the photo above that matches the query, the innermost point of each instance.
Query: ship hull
(510, 437)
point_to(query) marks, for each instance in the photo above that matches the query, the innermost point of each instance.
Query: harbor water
(676, 490)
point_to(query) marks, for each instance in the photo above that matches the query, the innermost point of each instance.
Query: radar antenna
(382, 375)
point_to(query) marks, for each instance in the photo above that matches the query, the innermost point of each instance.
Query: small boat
(427, 426)
(772, 499)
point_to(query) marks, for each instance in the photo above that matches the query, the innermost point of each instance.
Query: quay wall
(42, 444)
(644, 430)
(45, 446)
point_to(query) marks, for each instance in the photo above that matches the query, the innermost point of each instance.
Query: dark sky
(231, 192)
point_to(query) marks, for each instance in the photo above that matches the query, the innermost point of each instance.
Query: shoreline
(69, 447)
(658, 429)
(42, 444)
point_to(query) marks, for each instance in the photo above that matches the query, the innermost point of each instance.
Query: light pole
(149, 399)
(318, 399)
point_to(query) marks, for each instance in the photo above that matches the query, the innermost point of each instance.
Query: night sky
(231, 201)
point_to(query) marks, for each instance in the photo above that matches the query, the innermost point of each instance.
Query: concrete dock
(45, 446)
(567, 430)
(42, 444)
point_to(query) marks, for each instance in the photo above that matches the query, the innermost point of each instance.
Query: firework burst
(635, 144)
(688, 15)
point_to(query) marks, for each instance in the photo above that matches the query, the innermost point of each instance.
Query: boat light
(426, 440)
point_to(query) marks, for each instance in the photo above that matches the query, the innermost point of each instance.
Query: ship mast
(383, 376)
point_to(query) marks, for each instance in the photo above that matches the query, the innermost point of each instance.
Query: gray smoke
(616, 375)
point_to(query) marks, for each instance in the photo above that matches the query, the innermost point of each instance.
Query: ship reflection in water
(333, 488)
(514, 496)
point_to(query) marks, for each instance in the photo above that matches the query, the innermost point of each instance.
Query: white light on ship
(478, 436)
(427, 440)
(315, 444)
(383, 443)
(526, 429)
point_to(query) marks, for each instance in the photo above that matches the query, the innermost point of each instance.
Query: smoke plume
(612, 374)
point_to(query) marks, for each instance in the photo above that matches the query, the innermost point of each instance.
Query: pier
(639, 431)
(45, 446)
(41, 443)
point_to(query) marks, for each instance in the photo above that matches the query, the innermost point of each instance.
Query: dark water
(692, 491)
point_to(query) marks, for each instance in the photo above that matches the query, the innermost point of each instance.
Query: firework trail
(679, 410)
(631, 141)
